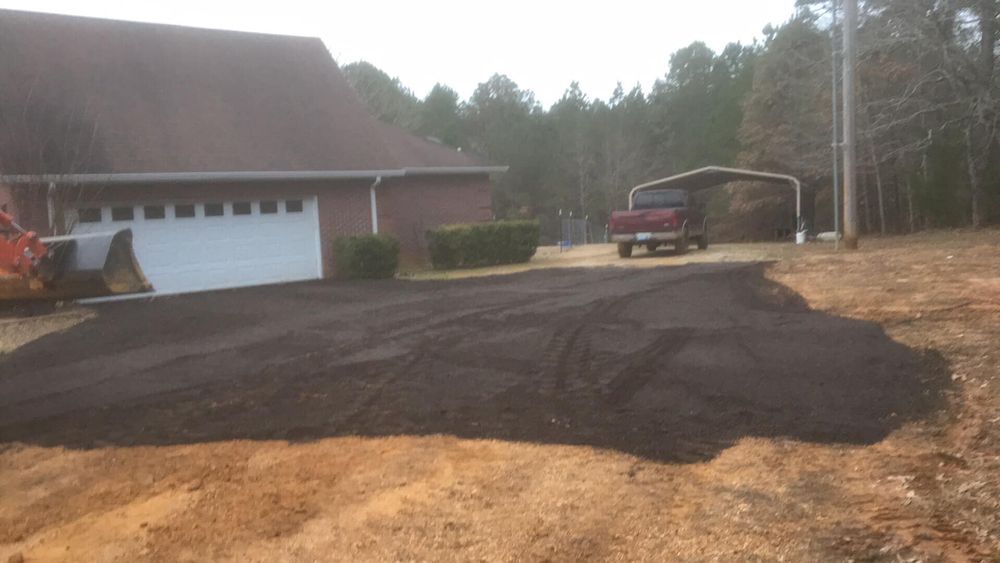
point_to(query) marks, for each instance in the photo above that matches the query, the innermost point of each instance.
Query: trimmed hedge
(366, 256)
(482, 244)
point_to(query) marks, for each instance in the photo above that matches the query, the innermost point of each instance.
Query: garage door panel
(183, 254)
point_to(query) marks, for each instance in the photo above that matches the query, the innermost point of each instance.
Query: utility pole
(836, 126)
(850, 135)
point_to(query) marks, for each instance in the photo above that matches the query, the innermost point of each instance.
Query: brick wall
(408, 207)
(7, 202)
(28, 206)
(343, 211)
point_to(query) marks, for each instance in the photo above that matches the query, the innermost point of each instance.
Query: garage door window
(242, 208)
(154, 211)
(122, 213)
(214, 210)
(184, 211)
(268, 207)
(89, 215)
(293, 206)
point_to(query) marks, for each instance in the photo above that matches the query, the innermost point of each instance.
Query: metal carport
(712, 176)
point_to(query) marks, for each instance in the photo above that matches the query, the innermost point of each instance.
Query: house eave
(126, 178)
(453, 170)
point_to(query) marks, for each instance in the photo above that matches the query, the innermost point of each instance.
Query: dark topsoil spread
(670, 363)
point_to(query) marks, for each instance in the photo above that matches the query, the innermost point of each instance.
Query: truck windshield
(664, 199)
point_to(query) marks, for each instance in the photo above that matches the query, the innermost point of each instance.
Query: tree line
(928, 120)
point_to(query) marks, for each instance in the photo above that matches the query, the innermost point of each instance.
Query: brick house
(234, 157)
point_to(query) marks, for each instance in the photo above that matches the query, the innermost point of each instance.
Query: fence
(566, 231)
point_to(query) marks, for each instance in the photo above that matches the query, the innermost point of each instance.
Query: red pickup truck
(657, 217)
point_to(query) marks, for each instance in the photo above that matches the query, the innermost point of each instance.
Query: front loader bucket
(80, 266)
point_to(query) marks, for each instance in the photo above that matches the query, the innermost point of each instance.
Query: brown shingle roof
(86, 95)
(410, 150)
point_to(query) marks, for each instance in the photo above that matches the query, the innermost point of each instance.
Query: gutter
(453, 170)
(244, 176)
(179, 177)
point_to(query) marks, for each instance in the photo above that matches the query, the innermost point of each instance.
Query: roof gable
(84, 95)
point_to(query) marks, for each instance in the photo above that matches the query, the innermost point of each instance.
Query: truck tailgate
(647, 220)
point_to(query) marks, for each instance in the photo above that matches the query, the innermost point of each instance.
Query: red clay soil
(738, 410)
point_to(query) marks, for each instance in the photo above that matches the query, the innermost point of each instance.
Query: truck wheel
(624, 250)
(681, 244)
(703, 239)
(652, 247)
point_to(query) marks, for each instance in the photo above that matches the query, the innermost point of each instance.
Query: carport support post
(850, 172)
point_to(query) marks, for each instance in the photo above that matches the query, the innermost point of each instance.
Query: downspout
(374, 203)
(50, 202)
(798, 203)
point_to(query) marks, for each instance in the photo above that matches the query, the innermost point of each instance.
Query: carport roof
(712, 176)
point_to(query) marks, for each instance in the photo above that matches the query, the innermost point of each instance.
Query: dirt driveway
(701, 410)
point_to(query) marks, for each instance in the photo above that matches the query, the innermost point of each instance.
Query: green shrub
(482, 244)
(366, 256)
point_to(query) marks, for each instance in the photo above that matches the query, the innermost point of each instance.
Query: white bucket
(800, 237)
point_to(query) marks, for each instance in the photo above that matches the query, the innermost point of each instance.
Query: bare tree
(981, 127)
(943, 52)
(45, 134)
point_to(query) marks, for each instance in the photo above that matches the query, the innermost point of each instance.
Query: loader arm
(68, 266)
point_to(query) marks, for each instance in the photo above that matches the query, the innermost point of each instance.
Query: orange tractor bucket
(80, 266)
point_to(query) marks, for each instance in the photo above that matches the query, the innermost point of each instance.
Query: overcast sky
(543, 45)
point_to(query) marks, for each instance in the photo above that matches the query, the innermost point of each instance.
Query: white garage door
(187, 246)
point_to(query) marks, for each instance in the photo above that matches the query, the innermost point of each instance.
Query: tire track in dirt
(447, 321)
(417, 361)
(645, 364)
(570, 350)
